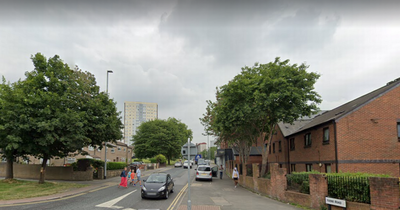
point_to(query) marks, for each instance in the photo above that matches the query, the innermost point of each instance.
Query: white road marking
(111, 203)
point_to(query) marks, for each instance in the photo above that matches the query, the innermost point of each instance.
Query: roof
(338, 112)
(288, 128)
(254, 151)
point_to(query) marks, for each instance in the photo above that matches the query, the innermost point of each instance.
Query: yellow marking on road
(101, 188)
(175, 201)
(47, 201)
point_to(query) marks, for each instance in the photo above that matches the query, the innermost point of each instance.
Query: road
(112, 197)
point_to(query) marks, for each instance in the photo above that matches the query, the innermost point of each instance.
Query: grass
(11, 189)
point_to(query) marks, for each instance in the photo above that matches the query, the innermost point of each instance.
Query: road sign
(193, 151)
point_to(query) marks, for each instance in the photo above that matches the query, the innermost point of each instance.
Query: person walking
(138, 175)
(235, 176)
(129, 176)
(132, 176)
(221, 171)
(124, 181)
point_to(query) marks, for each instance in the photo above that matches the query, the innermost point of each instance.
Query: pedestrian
(138, 174)
(132, 176)
(129, 176)
(221, 170)
(124, 181)
(235, 176)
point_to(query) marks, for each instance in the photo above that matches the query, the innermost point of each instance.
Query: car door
(214, 171)
(169, 183)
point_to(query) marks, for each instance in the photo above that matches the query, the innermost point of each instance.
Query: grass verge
(12, 189)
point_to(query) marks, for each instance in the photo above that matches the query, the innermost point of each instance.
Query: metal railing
(350, 188)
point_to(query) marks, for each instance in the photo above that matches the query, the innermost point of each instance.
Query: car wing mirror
(144, 180)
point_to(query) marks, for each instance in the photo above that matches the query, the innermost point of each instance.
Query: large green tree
(254, 101)
(158, 136)
(64, 111)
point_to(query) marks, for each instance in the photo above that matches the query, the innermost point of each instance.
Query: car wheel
(167, 194)
(143, 197)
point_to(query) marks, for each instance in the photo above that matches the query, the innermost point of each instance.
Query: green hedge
(116, 165)
(153, 160)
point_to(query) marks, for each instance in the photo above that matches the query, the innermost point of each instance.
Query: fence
(298, 182)
(354, 189)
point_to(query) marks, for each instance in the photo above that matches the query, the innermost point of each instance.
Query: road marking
(175, 201)
(38, 202)
(101, 188)
(110, 204)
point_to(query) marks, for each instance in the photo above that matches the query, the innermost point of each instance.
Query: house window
(112, 150)
(124, 149)
(119, 148)
(71, 160)
(90, 148)
(328, 168)
(326, 136)
(308, 167)
(291, 142)
(98, 149)
(273, 147)
(280, 146)
(398, 131)
(292, 167)
(307, 140)
(269, 149)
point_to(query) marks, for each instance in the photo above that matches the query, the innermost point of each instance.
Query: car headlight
(144, 188)
(161, 188)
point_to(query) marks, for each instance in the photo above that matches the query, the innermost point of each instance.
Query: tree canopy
(61, 110)
(254, 101)
(158, 136)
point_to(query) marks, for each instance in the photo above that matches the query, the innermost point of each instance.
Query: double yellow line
(175, 201)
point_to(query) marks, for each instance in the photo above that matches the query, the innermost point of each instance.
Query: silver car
(204, 172)
(178, 164)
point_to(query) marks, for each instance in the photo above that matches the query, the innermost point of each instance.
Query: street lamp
(105, 144)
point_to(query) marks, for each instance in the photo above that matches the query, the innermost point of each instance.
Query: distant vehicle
(201, 162)
(135, 164)
(205, 172)
(158, 185)
(197, 158)
(208, 162)
(178, 164)
(187, 164)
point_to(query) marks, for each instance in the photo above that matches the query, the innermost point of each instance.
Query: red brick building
(362, 135)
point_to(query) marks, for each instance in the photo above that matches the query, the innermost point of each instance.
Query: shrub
(153, 160)
(160, 158)
(93, 162)
(116, 165)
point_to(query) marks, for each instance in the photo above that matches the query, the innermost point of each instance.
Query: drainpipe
(336, 153)
(288, 155)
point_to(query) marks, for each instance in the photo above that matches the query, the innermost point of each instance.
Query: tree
(158, 136)
(63, 111)
(250, 105)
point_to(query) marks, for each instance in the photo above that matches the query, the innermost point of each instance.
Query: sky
(176, 52)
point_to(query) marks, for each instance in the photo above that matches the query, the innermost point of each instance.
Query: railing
(354, 189)
(298, 182)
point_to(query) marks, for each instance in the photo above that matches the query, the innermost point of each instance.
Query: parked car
(158, 185)
(208, 162)
(187, 164)
(201, 162)
(178, 164)
(205, 172)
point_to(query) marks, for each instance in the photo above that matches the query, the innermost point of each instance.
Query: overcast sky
(175, 53)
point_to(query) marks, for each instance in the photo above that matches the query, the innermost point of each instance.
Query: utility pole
(189, 206)
(105, 144)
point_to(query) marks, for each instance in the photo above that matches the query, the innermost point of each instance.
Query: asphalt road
(112, 197)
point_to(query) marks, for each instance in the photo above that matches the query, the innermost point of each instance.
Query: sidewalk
(220, 194)
(93, 185)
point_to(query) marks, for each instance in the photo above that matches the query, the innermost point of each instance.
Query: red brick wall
(384, 193)
(370, 133)
(318, 189)
(298, 198)
(279, 157)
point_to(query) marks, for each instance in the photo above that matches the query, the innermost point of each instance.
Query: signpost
(190, 151)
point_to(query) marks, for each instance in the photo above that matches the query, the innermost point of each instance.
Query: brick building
(362, 135)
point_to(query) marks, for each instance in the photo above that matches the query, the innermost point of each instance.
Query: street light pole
(105, 144)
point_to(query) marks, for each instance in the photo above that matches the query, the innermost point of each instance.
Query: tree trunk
(266, 152)
(43, 170)
(10, 169)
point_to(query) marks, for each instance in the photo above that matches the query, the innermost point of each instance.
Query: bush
(93, 162)
(160, 158)
(116, 165)
(153, 160)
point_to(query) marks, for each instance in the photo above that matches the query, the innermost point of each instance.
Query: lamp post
(105, 144)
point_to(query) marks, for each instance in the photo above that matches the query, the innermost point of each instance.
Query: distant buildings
(201, 147)
(135, 114)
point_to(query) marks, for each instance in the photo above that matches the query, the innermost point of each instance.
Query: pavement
(93, 186)
(220, 194)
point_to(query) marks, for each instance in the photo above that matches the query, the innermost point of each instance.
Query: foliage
(153, 160)
(158, 136)
(93, 162)
(299, 182)
(350, 188)
(160, 158)
(254, 101)
(59, 111)
(116, 165)
(205, 153)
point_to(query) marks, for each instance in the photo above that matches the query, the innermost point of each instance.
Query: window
(398, 131)
(307, 140)
(280, 146)
(124, 149)
(308, 167)
(326, 136)
(291, 142)
(112, 150)
(119, 148)
(98, 149)
(71, 160)
(270, 149)
(292, 167)
(90, 148)
(328, 168)
(273, 147)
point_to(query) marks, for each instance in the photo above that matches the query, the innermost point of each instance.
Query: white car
(178, 164)
(186, 164)
(204, 172)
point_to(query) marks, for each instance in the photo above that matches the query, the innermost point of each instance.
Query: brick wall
(384, 193)
(373, 127)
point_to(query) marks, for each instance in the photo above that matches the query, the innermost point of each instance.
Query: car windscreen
(204, 169)
(157, 178)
